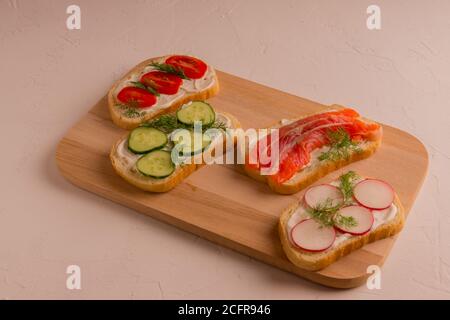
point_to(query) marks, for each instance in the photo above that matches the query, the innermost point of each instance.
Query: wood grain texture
(221, 203)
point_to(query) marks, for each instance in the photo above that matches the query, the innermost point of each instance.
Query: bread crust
(153, 184)
(306, 176)
(130, 123)
(314, 261)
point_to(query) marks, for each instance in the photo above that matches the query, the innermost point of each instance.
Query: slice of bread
(125, 168)
(314, 261)
(122, 120)
(317, 169)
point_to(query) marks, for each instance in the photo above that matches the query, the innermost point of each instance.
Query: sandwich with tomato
(160, 85)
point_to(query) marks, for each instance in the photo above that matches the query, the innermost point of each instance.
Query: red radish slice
(309, 235)
(374, 194)
(362, 216)
(317, 195)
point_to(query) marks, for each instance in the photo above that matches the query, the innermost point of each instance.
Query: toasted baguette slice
(122, 120)
(317, 169)
(314, 261)
(124, 168)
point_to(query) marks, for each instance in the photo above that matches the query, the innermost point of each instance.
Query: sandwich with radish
(160, 85)
(312, 146)
(337, 218)
(162, 152)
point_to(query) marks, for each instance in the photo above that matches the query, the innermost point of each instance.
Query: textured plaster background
(322, 50)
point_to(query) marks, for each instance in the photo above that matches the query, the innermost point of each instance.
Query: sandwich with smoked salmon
(311, 146)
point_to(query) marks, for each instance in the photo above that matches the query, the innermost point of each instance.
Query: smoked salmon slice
(297, 140)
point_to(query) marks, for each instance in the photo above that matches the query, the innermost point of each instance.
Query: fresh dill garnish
(347, 184)
(327, 213)
(324, 213)
(219, 125)
(345, 222)
(169, 69)
(130, 111)
(169, 123)
(147, 88)
(340, 146)
(166, 123)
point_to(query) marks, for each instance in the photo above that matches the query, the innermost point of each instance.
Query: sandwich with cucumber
(162, 152)
(312, 146)
(160, 85)
(334, 219)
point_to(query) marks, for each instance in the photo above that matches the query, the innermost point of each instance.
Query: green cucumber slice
(189, 142)
(156, 164)
(196, 111)
(146, 139)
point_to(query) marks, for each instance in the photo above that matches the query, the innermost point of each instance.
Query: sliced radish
(309, 235)
(317, 195)
(374, 194)
(362, 216)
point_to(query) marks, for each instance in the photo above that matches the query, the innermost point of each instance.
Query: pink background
(322, 50)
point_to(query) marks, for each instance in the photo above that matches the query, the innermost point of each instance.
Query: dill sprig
(219, 125)
(347, 184)
(169, 123)
(340, 146)
(130, 110)
(166, 123)
(169, 69)
(140, 85)
(345, 222)
(327, 213)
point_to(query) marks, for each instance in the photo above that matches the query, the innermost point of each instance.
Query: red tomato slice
(192, 67)
(136, 97)
(162, 82)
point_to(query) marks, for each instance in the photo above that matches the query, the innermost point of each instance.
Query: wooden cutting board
(222, 204)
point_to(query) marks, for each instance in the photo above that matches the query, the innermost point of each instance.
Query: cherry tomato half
(140, 97)
(162, 82)
(192, 67)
